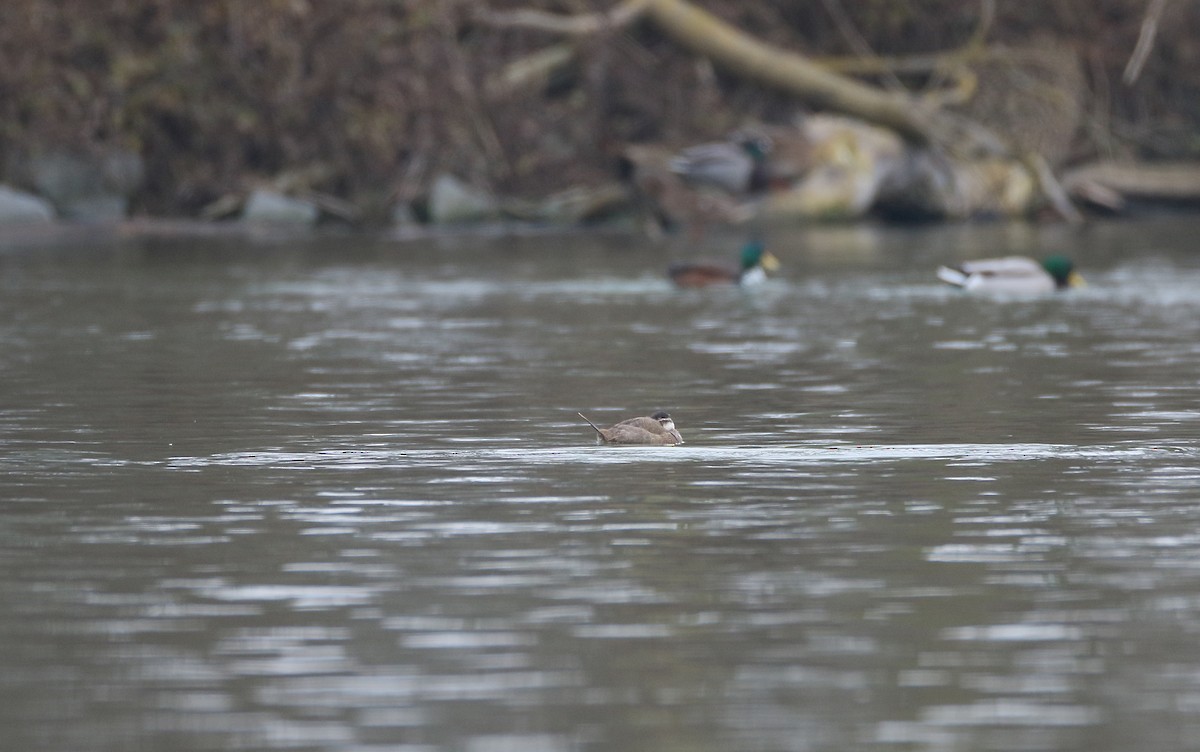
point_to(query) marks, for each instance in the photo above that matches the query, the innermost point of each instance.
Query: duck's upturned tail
(593, 425)
(951, 276)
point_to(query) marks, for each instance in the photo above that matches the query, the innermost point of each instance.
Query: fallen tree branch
(917, 120)
(1178, 181)
(705, 34)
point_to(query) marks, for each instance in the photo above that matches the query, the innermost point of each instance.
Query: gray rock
(88, 187)
(124, 171)
(101, 207)
(403, 215)
(452, 201)
(268, 207)
(18, 207)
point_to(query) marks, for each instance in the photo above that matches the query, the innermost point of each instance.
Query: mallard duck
(756, 261)
(737, 166)
(1012, 275)
(658, 429)
(671, 204)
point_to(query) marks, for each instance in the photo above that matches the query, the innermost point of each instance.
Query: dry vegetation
(368, 99)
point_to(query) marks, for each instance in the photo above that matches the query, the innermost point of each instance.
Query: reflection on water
(337, 497)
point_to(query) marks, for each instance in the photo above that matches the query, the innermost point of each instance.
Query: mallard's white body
(1013, 275)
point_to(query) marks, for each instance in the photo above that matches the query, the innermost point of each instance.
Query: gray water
(332, 494)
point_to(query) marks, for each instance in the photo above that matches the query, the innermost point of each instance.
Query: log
(707, 35)
(1175, 182)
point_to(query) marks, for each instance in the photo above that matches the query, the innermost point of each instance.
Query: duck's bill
(1075, 279)
(769, 262)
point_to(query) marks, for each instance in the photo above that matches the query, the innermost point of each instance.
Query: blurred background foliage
(370, 99)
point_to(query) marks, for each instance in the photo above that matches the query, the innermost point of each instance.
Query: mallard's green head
(1062, 270)
(756, 147)
(754, 253)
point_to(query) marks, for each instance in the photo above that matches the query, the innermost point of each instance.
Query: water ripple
(769, 455)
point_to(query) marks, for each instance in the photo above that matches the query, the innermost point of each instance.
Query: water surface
(332, 493)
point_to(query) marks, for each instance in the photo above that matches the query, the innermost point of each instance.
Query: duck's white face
(667, 423)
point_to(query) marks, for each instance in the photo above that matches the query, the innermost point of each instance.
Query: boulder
(452, 201)
(995, 187)
(18, 207)
(90, 187)
(859, 168)
(851, 160)
(268, 207)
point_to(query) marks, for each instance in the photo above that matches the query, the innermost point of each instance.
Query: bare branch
(539, 66)
(1145, 42)
(857, 42)
(553, 23)
(1051, 188)
(987, 15)
(533, 69)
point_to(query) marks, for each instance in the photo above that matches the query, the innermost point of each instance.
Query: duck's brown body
(658, 429)
(756, 261)
(704, 274)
